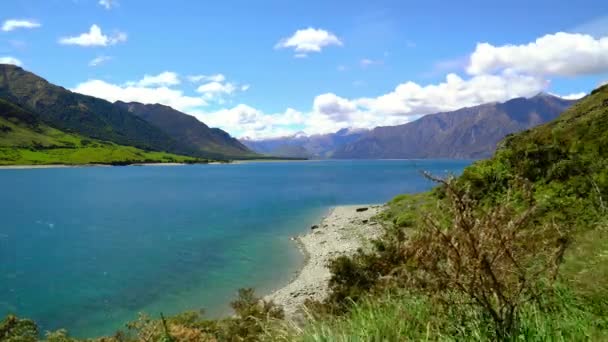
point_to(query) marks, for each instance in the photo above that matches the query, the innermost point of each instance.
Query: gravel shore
(342, 232)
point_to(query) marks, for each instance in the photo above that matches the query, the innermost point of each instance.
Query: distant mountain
(465, 133)
(303, 146)
(187, 129)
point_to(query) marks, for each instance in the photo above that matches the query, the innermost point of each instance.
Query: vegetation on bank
(512, 250)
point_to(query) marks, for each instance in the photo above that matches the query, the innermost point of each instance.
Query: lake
(88, 248)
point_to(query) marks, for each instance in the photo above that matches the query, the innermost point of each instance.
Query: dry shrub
(498, 257)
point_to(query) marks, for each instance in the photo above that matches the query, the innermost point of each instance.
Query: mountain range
(146, 127)
(318, 146)
(467, 133)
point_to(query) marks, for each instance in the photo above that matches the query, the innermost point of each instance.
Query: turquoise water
(88, 248)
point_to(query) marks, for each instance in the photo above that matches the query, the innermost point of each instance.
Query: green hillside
(25, 140)
(513, 250)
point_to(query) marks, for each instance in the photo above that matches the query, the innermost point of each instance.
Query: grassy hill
(25, 140)
(514, 249)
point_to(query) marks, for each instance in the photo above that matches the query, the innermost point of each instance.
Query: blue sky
(278, 67)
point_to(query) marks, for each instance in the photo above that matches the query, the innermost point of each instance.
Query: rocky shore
(342, 232)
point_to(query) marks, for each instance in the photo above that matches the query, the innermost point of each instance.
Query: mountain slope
(187, 129)
(302, 146)
(25, 140)
(465, 133)
(85, 115)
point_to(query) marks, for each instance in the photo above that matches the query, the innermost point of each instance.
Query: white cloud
(246, 121)
(309, 40)
(13, 24)
(406, 102)
(162, 88)
(559, 54)
(164, 79)
(10, 60)
(207, 78)
(214, 88)
(97, 61)
(149, 90)
(94, 38)
(108, 4)
(573, 96)
(455, 92)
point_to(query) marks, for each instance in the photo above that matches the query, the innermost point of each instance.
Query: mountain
(163, 129)
(302, 146)
(26, 140)
(187, 129)
(85, 115)
(469, 133)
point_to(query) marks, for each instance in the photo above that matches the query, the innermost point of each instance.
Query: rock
(314, 227)
(364, 221)
(362, 209)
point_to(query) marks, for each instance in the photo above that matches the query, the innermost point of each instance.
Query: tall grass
(406, 316)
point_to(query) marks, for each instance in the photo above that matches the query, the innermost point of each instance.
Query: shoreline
(69, 166)
(341, 232)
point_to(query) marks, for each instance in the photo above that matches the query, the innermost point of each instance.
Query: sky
(272, 68)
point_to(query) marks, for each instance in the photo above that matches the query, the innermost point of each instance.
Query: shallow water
(88, 248)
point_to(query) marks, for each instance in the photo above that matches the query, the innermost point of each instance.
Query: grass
(406, 316)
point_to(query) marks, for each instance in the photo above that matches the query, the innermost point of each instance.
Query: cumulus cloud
(246, 121)
(10, 60)
(410, 98)
(108, 4)
(215, 88)
(559, 54)
(150, 89)
(13, 24)
(309, 40)
(573, 96)
(164, 79)
(97, 61)
(407, 102)
(162, 88)
(95, 37)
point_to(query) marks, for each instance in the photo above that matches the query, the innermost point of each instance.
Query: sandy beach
(341, 232)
